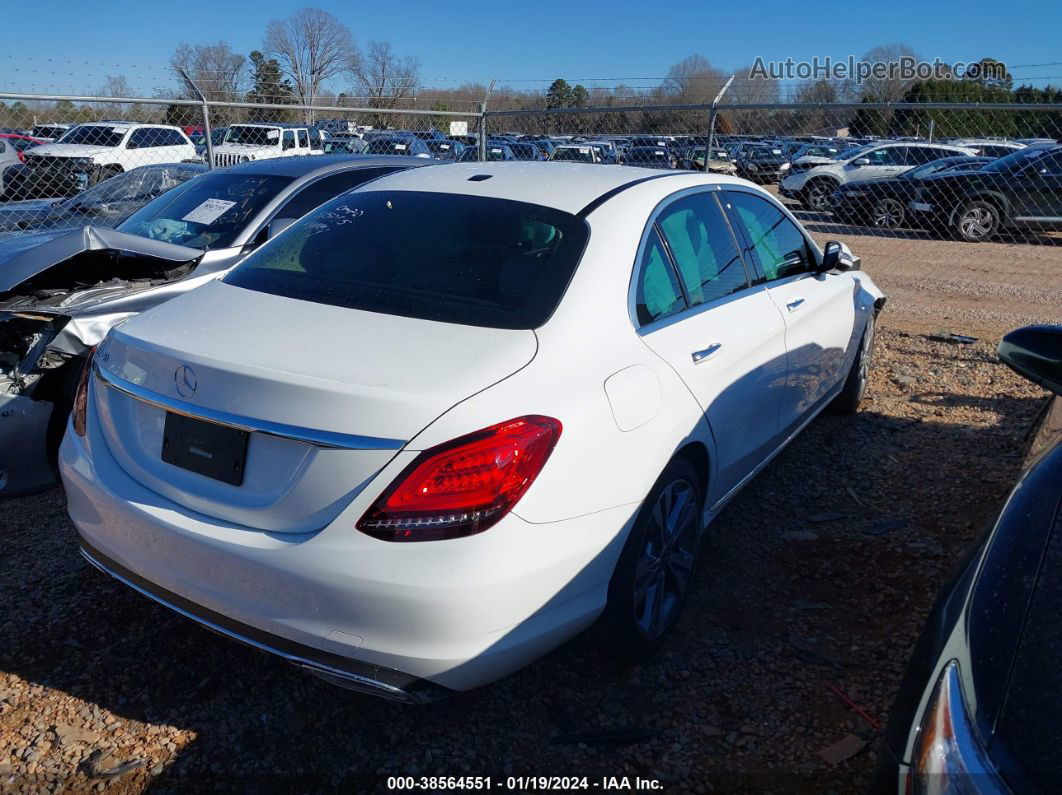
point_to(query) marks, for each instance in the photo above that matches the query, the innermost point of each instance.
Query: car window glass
(704, 250)
(289, 139)
(890, 156)
(327, 188)
(776, 242)
(658, 292)
(473, 260)
(1050, 166)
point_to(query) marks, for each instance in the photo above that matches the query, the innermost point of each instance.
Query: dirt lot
(815, 580)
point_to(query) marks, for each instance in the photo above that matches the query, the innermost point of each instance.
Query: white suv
(90, 153)
(813, 184)
(246, 142)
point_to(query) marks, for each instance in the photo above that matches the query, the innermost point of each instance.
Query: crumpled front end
(32, 382)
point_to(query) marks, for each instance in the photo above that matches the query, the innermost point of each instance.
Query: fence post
(711, 122)
(482, 142)
(206, 118)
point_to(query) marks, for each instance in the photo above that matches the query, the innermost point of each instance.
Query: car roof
(563, 185)
(319, 164)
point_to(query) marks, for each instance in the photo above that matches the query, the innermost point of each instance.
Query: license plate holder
(206, 448)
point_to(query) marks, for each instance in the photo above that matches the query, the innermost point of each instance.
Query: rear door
(724, 337)
(819, 309)
(1038, 193)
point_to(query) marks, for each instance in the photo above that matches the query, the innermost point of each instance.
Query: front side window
(704, 250)
(327, 188)
(776, 243)
(304, 139)
(451, 258)
(889, 156)
(657, 292)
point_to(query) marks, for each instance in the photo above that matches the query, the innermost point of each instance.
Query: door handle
(702, 355)
(795, 304)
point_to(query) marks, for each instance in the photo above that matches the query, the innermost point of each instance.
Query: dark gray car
(61, 292)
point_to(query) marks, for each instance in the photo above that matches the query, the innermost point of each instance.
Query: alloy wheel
(888, 214)
(977, 223)
(664, 566)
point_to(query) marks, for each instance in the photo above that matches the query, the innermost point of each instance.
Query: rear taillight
(464, 486)
(81, 396)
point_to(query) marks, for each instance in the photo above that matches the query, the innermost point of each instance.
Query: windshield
(1017, 160)
(452, 258)
(252, 136)
(94, 135)
(390, 146)
(574, 155)
(44, 131)
(764, 154)
(210, 213)
(112, 201)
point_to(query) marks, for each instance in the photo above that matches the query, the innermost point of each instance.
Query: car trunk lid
(328, 394)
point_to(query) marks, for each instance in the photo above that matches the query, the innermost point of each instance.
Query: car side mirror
(861, 161)
(1035, 352)
(836, 256)
(278, 225)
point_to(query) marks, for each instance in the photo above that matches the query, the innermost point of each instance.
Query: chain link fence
(901, 172)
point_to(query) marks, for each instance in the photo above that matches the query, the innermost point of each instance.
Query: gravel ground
(814, 581)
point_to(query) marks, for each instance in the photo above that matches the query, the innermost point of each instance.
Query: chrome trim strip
(318, 438)
(379, 688)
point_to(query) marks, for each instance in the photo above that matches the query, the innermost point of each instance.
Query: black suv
(1020, 191)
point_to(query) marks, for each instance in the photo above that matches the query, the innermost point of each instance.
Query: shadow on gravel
(797, 588)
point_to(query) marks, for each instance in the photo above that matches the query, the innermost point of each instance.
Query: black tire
(888, 213)
(818, 194)
(855, 385)
(976, 221)
(652, 578)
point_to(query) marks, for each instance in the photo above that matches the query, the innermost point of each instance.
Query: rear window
(471, 260)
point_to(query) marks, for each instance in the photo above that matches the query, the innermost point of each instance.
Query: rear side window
(776, 243)
(658, 294)
(317, 193)
(472, 260)
(704, 250)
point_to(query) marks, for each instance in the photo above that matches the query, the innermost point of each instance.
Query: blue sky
(71, 45)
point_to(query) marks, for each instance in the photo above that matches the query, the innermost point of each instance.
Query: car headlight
(784, 167)
(948, 755)
(244, 158)
(753, 167)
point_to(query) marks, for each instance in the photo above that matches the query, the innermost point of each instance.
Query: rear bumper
(331, 667)
(457, 614)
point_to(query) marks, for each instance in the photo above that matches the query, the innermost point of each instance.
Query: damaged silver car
(59, 297)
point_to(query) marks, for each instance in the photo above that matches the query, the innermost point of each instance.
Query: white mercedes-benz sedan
(441, 424)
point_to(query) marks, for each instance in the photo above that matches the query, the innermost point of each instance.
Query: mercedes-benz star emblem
(184, 378)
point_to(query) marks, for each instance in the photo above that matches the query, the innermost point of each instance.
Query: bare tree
(692, 81)
(311, 46)
(890, 88)
(748, 89)
(116, 86)
(218, 71)
(382, 76)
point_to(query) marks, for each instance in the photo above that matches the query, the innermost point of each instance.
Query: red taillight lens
(81, 396)
(463, 486)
